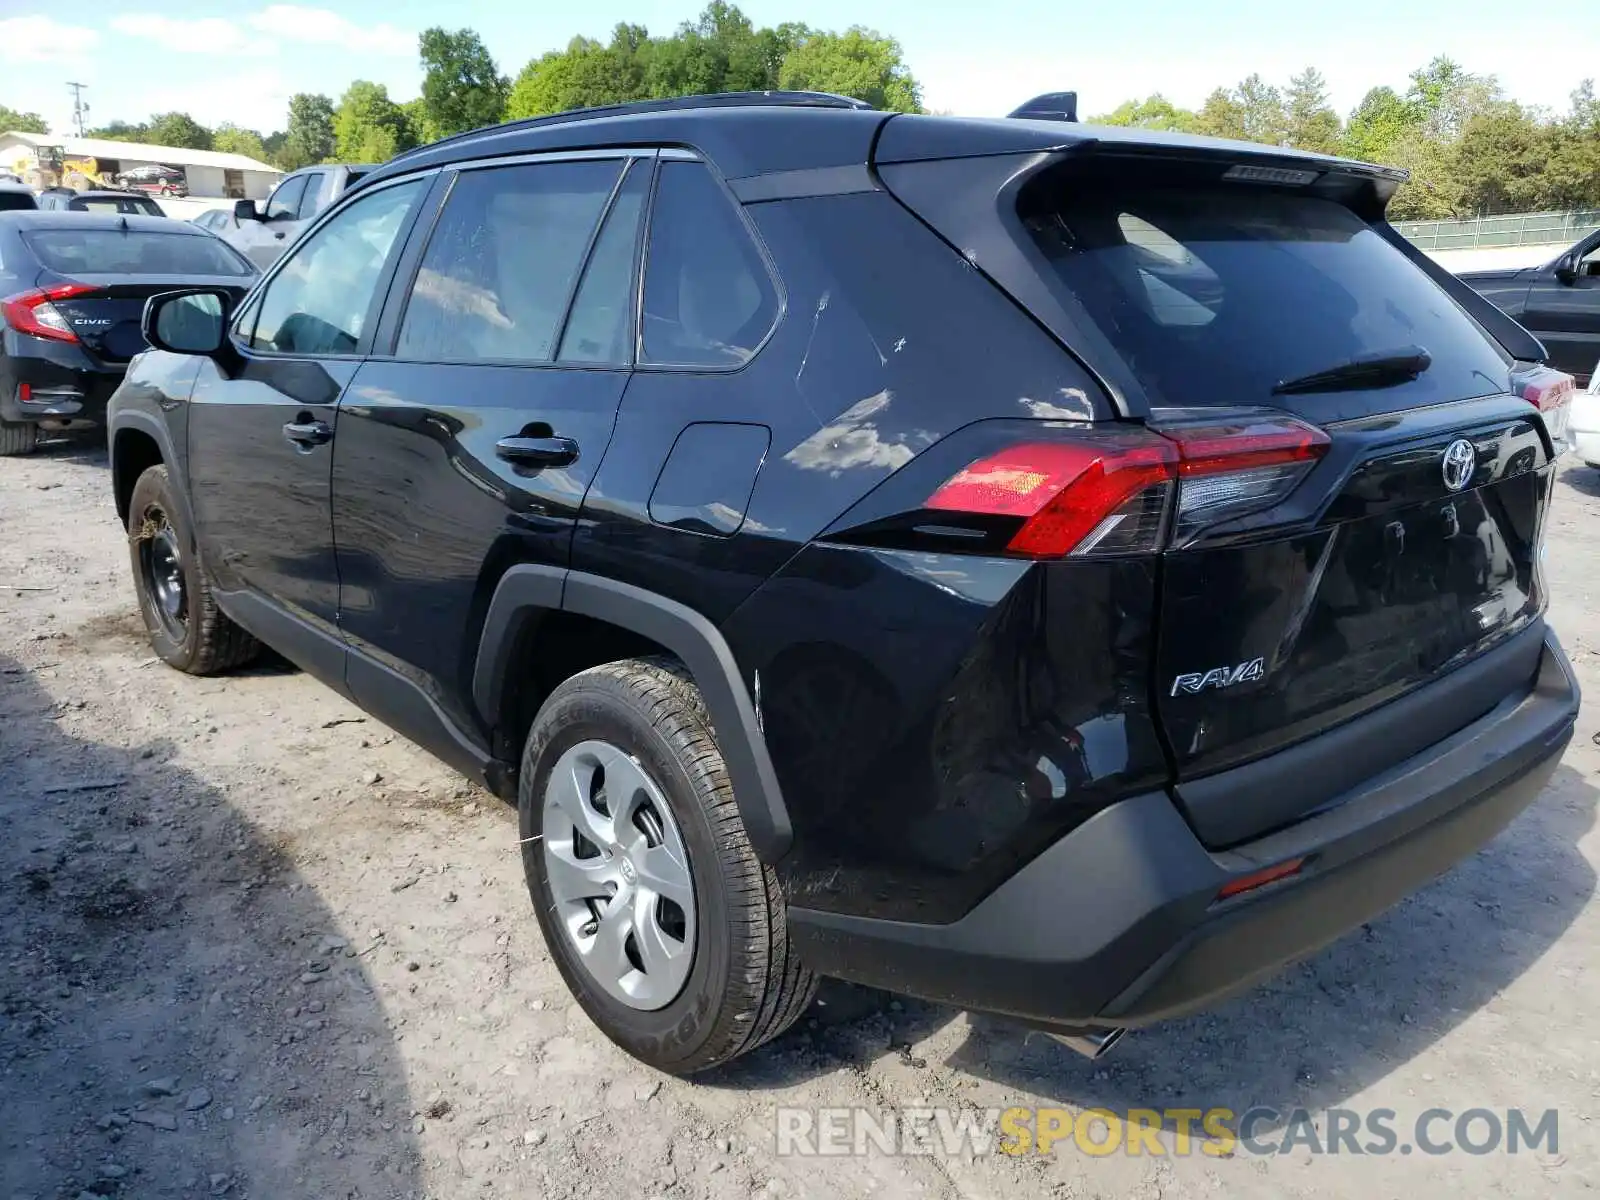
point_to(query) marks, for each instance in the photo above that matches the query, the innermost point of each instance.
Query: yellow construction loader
(51, 168)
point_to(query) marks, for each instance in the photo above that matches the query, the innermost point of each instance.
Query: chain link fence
(1514, 229)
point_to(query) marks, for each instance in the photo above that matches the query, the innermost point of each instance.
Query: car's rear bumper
(68, 396)
(1118, 924)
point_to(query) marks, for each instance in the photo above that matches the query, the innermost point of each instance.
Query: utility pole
(79, 108)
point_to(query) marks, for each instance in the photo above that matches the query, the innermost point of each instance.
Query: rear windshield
(130, 205)
(13, 201)
(1214, 295)
(133, 252)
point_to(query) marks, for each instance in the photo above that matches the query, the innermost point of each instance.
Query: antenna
(79, 108)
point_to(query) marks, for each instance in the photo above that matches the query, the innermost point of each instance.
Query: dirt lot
(255, 945)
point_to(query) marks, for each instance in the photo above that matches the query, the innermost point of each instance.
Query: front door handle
(308, 433)
(538, 451)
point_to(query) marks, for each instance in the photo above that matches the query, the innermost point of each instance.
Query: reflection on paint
(852, 441)
(1070, 404)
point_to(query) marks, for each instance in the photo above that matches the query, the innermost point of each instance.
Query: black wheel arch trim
(156, 429)
(527, 591)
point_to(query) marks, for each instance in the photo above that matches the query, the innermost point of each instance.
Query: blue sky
(241, 61)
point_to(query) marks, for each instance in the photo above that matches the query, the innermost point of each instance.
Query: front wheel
(668, 930)
(187, 629)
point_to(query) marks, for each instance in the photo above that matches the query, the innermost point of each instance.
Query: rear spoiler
(1052, 106)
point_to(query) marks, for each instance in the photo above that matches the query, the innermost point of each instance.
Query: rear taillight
(35, 313)
(1551, 392)
(1102, 493)
(1106, 493)
(1236, 465)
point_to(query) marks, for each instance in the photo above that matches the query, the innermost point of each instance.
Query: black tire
(205, 641)
(18, 437)
(746, 984)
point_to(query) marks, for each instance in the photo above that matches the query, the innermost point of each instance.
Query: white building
(210, 173)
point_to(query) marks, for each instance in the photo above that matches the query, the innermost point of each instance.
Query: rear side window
(1213, 295)
(503, 260)
(132, 252)
(708, 299)
(311, 198)
(599, 328)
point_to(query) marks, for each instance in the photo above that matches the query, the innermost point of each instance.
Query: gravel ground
(256, 945)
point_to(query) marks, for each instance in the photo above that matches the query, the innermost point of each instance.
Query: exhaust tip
(1091, 1043)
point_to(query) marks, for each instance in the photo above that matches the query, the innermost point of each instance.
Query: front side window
(708, 300)
(286, 200)
(503, 260)
(320, 300)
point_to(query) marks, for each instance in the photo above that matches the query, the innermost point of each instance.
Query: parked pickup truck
(262, 235)
(1559, 302)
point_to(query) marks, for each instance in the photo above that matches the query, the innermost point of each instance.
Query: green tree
(719, 51)
(1432, 192)
(1572, 165)
(230, 139)
(1500, 161)
(1445, 97)
(178, 129)
(122, 131)
(15, 121)
(421, 129)
(1221, 116)
(462, 88)
(368, 126)
(1252, 111)
(1153, 112)
(1377, 124)
(859, 62)
(1310, 122)
(584, 74)
(309, 136)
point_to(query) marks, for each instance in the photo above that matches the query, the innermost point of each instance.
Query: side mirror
(245, 210)
(1567, 268)
(194, 321)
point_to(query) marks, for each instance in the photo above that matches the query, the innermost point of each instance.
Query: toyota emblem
(1460, 460)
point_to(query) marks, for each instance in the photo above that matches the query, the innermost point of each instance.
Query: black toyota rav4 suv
(1053, 571)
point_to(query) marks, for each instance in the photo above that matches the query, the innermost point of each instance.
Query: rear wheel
(18, 437)
(669, 931)
(187, 629)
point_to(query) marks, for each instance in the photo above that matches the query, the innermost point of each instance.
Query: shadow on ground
(179, 1015)
(1318, 1034)
(87, 448)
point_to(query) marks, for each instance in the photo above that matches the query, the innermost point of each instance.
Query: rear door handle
(538, 451)
(308, 433)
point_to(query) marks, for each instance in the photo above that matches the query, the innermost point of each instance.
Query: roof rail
(672, 104)
(1052, 106)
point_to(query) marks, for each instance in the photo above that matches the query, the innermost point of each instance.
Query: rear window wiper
(1371, 371)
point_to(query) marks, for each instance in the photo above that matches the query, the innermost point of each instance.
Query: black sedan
(72, 290)
(1559, 303)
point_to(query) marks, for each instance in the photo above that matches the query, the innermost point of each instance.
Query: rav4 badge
(1219, 677)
